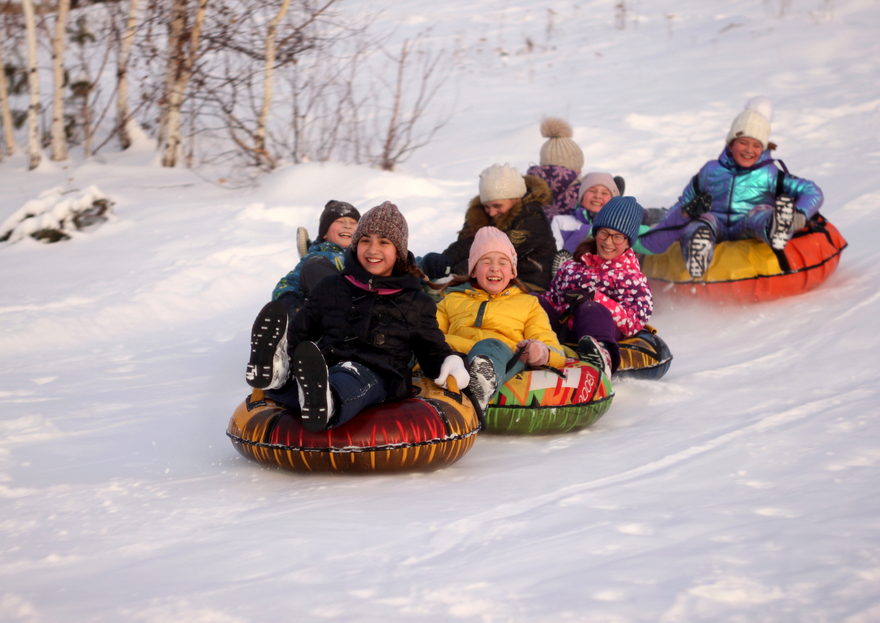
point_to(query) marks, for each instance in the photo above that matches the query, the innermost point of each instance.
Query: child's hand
(453, 366)
(535, 353)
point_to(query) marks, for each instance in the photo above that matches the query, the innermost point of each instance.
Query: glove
(453, 366)
(436, 266)
(536, 353)
(699, 205)
(576, 297)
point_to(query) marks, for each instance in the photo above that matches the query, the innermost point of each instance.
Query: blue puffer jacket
(291, 282)
(736, 191)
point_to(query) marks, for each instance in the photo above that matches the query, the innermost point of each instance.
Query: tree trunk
(123, 114)
(34, 106)
(181, 60)
(59, 140)
(5, 111)
(268, 74)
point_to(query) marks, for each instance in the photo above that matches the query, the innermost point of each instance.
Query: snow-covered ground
(741, 487)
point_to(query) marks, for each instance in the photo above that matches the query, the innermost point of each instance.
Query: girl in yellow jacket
(488, 317)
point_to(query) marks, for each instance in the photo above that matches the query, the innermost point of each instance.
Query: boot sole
(268, 333)
(310, 371)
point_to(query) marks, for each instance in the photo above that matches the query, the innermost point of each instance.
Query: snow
(740, 487)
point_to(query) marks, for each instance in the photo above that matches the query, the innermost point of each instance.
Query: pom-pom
(761, 105)
(553, 127)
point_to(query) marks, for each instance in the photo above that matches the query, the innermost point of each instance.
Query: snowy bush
(53, 217)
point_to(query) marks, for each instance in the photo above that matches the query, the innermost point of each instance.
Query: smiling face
(745, 151)
(376, 254)
(595, 197)
(610, 243)
(493, 272)
(497, 207)
(340, 231)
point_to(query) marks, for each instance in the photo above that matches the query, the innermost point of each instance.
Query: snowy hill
(741, 487)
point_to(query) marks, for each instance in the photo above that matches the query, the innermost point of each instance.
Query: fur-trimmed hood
(537, 192)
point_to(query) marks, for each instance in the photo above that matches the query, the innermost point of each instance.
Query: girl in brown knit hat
(353, 343)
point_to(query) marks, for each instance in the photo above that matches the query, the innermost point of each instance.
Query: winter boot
(594, 353)
(483, 381)
(782, 222)
(699, 251)
(315, 398)
(268, 366)
(302, 241)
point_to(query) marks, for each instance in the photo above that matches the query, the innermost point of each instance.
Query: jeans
(354, 388)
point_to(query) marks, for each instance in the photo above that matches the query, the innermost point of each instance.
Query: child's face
(340, 231)
(610, 243)
(493, 272)
(497, 207)
(595, 197)
(376, 254)
(746, 151)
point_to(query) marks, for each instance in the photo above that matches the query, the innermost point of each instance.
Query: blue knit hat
(623, 214)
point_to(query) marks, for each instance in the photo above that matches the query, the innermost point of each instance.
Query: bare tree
(184, 40)
(5, 108)
(59, 140)
(126, 41)
(34, 105)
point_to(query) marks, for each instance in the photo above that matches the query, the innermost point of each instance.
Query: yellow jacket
(468, 316)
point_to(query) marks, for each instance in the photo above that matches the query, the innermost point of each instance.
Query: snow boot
(699, 251)
(483, 381)
(302, 241)
(782, 222)
(315, 398)
(594, 353)
(268, 365)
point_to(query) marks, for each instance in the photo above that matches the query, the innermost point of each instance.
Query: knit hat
(559, 149)
(490, 239)
(384, 220)
(597, 179)
(753, 122)
(501, 181)
(332, 211)
(623, 214)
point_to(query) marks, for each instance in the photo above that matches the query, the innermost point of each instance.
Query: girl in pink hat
(487, 316)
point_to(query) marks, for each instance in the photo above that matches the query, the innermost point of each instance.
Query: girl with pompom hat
(560, 164)
(737, 196)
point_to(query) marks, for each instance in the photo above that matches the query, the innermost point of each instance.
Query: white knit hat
(753, 122)
(559, 148)
(501, 181)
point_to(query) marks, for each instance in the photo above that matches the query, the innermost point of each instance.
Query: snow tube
(544, 401)
(746, 271)
(434, 428)
(644, 356)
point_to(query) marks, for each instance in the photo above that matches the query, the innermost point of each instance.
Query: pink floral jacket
(618, 284)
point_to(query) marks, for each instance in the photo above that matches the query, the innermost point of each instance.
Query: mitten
(535, 353)
(699, 205)
(453, 366)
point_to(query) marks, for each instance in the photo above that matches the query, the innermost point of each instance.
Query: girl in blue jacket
(742, 194)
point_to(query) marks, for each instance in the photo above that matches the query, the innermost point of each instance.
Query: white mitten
(453, 366)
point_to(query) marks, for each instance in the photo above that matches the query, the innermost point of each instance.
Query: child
(367, 323)
(740, 195)
(569, 230)
(560, 164)
(488, 316)
(512, 203)
(324, 256)
(601, 296)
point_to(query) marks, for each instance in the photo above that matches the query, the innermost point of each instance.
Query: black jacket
(527, 227)
(364, 323)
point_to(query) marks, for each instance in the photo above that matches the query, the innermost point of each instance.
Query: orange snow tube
(433, 429)
(747, 271)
